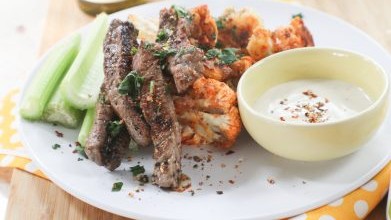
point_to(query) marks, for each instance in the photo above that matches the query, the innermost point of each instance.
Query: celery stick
(86, 126)
(48, 77)
(82, 83)
(60, 112)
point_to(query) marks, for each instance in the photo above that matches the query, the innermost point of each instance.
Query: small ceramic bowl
(313, 141)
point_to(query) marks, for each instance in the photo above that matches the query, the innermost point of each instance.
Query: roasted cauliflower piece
(220, 130)
(204, 29)
(236, 27)
(264, 42)
(208, 114)
(230, 74)
(293, 36)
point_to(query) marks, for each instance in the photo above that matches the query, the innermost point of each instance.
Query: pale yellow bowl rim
(384, 94)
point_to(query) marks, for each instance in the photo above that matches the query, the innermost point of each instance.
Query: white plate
(298, 186)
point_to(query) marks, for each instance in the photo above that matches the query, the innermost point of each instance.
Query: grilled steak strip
(100, 146)
(158, 109)
(186, 65)
(120, 39)
(115, 149)
(96, 140)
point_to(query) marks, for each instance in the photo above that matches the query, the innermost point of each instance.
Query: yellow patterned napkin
(355, 205)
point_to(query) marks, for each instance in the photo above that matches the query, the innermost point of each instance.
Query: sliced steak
(115, 149)
(96, 140)
(101, 147)
(158, 109)
(120, 39)
(186, 65)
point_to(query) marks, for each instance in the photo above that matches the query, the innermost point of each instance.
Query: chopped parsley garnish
(181, 12)
(117, 186)
(300, 15)
(226, 55)
(136, 170)
(164, 53)
(114, 128)
(148, 45)
(186, 50)
(131, 85)
(133, 51)
(56, 146)
(151, 86)
(163, 35)
(219, 23)
(212, 53)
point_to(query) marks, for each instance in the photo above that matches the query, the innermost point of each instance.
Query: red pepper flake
(310, 94)
(197, 159)
(282, 118)
(59, 134)
(219, 192)
(231, 181)
(271, 181)
(229, 152)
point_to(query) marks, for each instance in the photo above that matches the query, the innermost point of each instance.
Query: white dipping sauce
(312, 101)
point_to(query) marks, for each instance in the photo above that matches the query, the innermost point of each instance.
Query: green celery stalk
(82, 83)
(60, 112)
(48, 77)
(86, 126)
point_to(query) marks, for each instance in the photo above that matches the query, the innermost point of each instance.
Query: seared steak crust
(100, 147)
(186, 65)
(96, 140)
(120, 39)
(158, 109)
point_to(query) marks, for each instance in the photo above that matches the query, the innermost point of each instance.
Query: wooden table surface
(32, 197)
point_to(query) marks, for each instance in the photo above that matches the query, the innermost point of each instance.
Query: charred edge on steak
(115, 149)
(98, 148)
(120, 39)
(158, 109)
(186, 65)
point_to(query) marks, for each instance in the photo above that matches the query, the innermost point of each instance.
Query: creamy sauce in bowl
(312, 101)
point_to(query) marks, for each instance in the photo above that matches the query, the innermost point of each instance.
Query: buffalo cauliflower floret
(204, 29)
(236, 27)
(264, 42)
(228, 73)
(208, 114)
